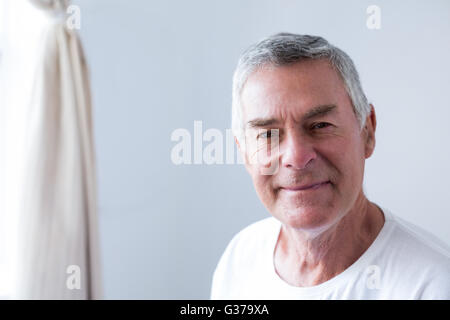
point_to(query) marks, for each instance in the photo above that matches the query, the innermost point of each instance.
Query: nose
(296, 151)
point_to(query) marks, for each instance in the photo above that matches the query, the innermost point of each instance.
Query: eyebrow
(312, 113)
(319, 111)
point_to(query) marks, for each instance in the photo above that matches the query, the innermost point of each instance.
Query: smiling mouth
(306, 187)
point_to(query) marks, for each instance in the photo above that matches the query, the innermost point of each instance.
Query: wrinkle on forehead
(290, 91)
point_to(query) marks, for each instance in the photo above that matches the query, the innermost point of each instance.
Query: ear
(369, 132)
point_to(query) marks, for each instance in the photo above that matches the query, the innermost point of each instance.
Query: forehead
(292, 90)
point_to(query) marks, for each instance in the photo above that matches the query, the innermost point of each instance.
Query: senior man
(298, 103)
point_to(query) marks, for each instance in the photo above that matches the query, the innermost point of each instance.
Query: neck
(309, 258)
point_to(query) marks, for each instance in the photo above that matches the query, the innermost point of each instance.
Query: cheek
(349, 160)
(341, 158)
(263, 186)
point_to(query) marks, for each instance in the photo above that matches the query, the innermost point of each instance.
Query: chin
(307, 218)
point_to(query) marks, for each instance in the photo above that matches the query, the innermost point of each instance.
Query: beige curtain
(58, 234)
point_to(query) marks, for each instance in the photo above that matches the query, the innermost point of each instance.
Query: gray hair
(287, 48)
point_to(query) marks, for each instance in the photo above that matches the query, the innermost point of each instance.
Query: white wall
(160, 65)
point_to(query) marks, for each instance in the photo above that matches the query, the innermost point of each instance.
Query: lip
(312, 186)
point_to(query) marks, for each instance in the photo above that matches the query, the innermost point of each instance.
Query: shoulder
(409, 236)
(252, 238)
(244, 252)
(422, 257)
(256, 234)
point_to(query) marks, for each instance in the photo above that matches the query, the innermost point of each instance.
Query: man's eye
(320, 125)
(267, 134)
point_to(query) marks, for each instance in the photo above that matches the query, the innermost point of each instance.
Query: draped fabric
(58, 245)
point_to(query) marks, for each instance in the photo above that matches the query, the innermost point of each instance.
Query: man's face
(321, 148)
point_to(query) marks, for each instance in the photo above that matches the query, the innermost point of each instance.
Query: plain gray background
(159, 65)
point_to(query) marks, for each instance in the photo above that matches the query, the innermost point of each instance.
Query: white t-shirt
(403, 262)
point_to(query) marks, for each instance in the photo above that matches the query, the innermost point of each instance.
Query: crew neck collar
(345, 275)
